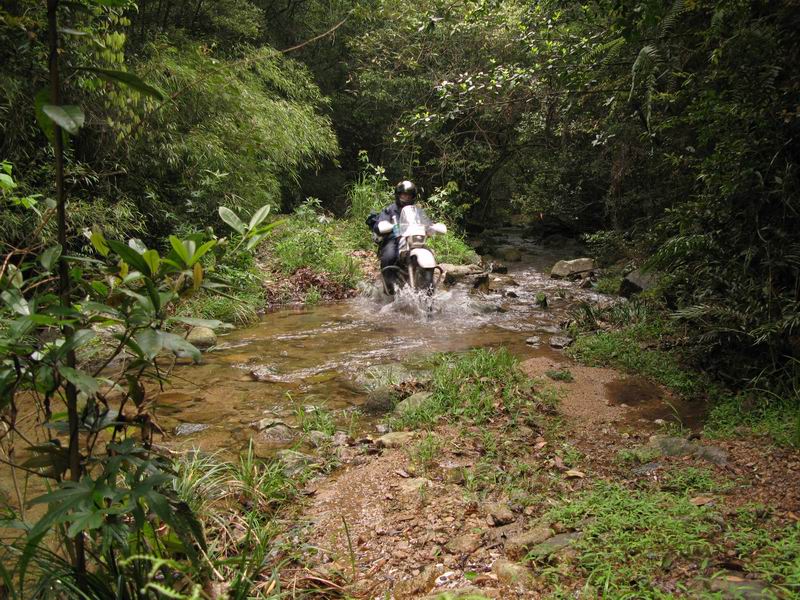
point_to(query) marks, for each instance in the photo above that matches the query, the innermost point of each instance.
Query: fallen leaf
(540, 445)
(574, 473)
(402, 473)
(793, 516)
(701, 500)
(559, 463)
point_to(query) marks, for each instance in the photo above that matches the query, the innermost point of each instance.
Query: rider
(405, 194)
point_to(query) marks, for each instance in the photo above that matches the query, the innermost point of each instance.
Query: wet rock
(554, 544)
(572, 269)
(511, 573)
(464, 544)
(276, 435)
(509, 253)
(413, 402)
(263, 373)
(190, 428)
(559, 341)
(395, 439)
(534, 340)
(455, 273)
(485, 308)
(735, 587)
(265, 423)
(498, 513)
(511, 294)
(377, 376)
(586, 283)
(382, 428)
(340, 438)
(295, 462)
(498, 268)
(421, 584)
(498, 283)
(319, 439)
(518, 545)
(637, 281)
(202, 337)
(381, 400)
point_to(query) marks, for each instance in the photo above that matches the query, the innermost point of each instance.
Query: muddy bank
(467, 508)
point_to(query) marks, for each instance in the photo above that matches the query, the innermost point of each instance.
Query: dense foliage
(665, 132)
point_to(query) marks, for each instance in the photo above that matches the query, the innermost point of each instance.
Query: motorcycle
(416, 265)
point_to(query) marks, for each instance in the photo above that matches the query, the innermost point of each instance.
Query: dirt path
(453, 509)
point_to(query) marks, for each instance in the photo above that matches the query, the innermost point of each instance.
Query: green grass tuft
(470, 386)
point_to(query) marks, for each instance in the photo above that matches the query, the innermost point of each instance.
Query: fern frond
(605, 51)
(677, 250)
(675, 12)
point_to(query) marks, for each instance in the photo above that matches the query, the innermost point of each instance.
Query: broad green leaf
(179, 345)
(129, 79)
(14, 276)
(42, 99)
(16, 302)
(256, 240)
(201, 251)
(150, 342)
(99, 242)
(50, 256)
(81, 380)
(76, 340)
(85, 521)
(153, 294)
(69, 117)
(137, 245)
(71, 31)
(100, 287)
(227, 215)
(130, 256)
(258, 217)
(180, 249)
(7, 182)
(152, 259)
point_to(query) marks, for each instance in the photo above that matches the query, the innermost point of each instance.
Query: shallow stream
(329, 356)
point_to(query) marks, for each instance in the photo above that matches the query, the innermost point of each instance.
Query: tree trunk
(79, 555)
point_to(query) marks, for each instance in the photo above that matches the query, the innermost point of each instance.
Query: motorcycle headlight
(418, 240)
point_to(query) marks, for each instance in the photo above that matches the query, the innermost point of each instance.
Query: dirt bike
(416, 265)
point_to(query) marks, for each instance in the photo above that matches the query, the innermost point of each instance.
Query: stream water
(328, 356)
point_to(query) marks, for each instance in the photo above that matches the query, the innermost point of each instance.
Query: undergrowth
(636, 337)
(471, 386)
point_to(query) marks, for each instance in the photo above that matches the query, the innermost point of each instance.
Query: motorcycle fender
(424, 258)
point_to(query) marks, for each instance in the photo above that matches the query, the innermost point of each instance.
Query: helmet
(405, 187)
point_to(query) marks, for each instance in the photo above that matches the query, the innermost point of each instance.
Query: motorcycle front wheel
(423, 280)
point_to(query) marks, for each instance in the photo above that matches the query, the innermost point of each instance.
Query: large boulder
(202, 337)
(572, 269)
(413, 402)
(637, 281)
(455, 273)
